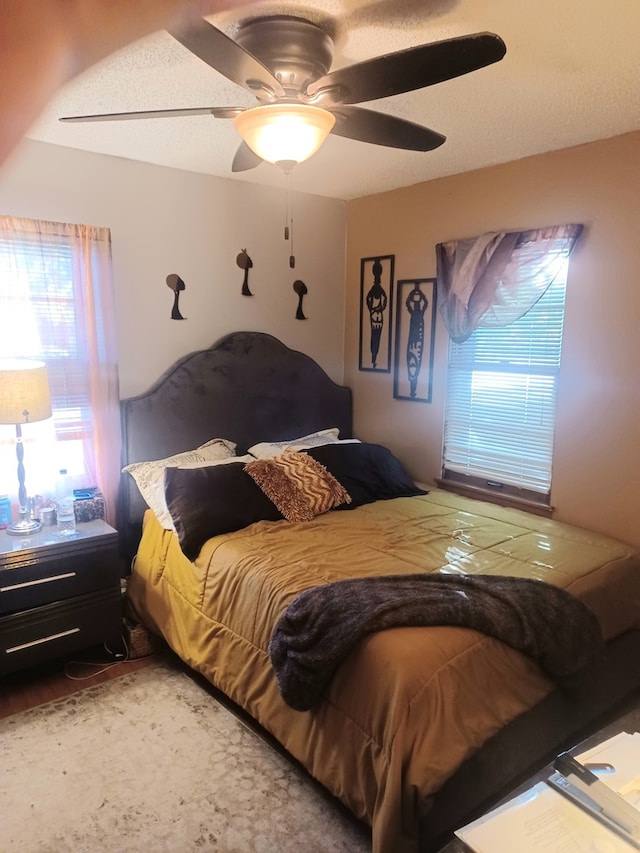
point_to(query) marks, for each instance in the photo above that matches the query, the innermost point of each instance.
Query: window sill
(491, 496)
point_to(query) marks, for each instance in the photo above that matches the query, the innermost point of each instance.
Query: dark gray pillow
(369, 472)
(204, 502)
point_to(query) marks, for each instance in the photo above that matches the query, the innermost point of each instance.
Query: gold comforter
(408, 705)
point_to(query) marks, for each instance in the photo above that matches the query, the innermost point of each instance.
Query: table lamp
(24, 398)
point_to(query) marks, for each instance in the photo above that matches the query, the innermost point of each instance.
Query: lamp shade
(24, 391)
(284, 134)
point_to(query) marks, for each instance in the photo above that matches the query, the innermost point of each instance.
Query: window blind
(501, 398)
(40, 320)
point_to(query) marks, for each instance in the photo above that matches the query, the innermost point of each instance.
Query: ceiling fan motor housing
(296, 51)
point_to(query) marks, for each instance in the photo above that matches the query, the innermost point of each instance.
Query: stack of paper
(542, 819)
(623, 752)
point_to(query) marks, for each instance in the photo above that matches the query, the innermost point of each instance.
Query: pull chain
(292, 257)
(288, 225)
(286, 211)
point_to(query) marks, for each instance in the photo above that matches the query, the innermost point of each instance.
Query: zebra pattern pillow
(299, 486)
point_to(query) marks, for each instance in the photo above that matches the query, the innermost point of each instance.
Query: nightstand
(58, 594)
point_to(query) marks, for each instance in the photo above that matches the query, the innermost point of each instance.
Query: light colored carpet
(151, 762)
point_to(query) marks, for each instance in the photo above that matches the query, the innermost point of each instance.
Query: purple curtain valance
(494, 279)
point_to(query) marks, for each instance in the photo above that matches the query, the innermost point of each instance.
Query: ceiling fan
(285, 63)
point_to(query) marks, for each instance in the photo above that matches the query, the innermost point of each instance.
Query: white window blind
(40, 320)
(501, 399)
(40, 317)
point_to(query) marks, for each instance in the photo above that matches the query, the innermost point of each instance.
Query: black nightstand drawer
(58, 594)
(57, 629)
(72, 574)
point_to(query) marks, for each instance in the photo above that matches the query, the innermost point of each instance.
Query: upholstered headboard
(248, 387)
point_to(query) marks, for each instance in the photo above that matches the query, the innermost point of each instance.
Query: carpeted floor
(151, 762)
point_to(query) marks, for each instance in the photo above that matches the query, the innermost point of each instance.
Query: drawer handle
(48, 639)
(37, 582)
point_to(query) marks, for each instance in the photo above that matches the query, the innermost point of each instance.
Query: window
(501, 401)
(56, 304)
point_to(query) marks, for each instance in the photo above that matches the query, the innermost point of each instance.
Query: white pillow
(337, 441)
(217, 443)
(149, 476)
(266, 449)
(187, 465)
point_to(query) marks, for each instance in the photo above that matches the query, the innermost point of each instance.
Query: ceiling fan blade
(245, 159)
(407, 70)
(381, 129)
(217, 112)
(228, 57)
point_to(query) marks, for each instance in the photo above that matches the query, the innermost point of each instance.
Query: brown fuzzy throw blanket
(321, 625)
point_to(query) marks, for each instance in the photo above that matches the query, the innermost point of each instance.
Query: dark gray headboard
(247, 387)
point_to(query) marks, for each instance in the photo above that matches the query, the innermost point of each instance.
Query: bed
(419, 727)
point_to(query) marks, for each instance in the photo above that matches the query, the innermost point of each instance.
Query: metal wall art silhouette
(301, 289)
(415, 331)
(175, 283)
(245, 263)
(376, 302)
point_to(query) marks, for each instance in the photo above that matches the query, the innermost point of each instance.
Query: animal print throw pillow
(300, 487)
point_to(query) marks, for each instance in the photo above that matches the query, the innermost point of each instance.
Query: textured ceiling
(571, 75)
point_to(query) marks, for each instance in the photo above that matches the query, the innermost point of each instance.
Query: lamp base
(24, 526)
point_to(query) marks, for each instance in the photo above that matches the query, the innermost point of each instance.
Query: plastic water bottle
(5, 511)
(65, 511)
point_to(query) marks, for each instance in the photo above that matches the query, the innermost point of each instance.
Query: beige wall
(168, 221)
(596, 478)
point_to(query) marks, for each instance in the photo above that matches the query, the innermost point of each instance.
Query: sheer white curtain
(57, 304)
(494, 279)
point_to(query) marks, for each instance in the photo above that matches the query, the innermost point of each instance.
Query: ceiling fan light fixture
(284, 133)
